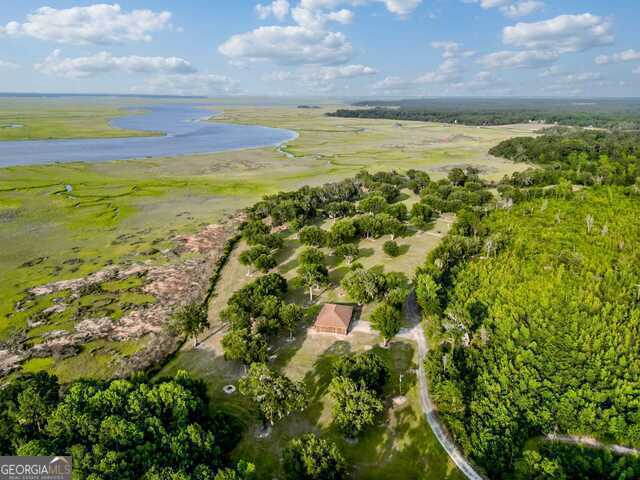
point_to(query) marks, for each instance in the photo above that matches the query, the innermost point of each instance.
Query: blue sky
(323, 47)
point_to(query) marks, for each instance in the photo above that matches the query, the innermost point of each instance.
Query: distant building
(334, 319)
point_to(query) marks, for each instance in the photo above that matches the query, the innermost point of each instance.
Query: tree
(244, 346)
(253, 230)
(276, 395)
(249, 257)
(374, 203)
(264, 263)
(457, 176)
(397, 296)
(364, 286)
(242, 471)
(270, 284)
(235, 316)
(310, 255)
(398, 211)
(348, 251)
(312, 458)
(355, 406)
(364, 367)
(421, 214)
(312, 235)
(387, 320)
(291, 315)
(271, 241)
(191, 320)
(343, 231)
(26, 402)
(389, 225)
(391, 248)
(313, 276)
(339, 209)
(427, 294)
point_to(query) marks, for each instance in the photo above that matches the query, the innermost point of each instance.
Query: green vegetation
(316, 384)
(311, 458)
(579, 156)
(534, 310)
(619, 114)
(191, 320)
(52, 119)
(565, 462)
(131, 212)
(276, 395)
(131, 429)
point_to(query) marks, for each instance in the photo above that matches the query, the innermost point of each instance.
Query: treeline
(600, 113)
(581, 157)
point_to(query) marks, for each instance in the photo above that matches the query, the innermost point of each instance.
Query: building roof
(334, 316)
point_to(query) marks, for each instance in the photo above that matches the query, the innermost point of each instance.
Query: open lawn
(402, 446)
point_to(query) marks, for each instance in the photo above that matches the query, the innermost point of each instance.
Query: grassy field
(41, 119)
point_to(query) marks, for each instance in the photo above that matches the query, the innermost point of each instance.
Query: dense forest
(537, 308)
(121, 429)
(599, 113)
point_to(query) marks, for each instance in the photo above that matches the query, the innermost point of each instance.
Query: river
(186, 129)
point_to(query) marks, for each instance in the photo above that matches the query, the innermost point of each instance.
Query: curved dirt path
(592, 443)
(413, 317)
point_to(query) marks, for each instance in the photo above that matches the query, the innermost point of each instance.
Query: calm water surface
(186, 130)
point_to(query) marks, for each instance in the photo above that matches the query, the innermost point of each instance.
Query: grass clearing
(401, 446)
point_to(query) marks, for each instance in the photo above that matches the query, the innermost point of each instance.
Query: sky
(334, 48)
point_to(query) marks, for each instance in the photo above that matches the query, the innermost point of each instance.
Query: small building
(334, 319)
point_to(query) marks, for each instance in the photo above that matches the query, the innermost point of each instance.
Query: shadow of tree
(367, 252)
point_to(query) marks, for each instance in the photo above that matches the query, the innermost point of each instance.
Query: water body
(186, 133)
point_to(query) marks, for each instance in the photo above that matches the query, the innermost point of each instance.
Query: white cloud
(278, 8)
(95, 24)
(392, 85)
(552, 71)
(510, 9)
(293, 45)
(341, 72)
(582, 77)
(317, 77)
(105, 62)
(565, 33)
(399, 7)
(626, 56)
(636, 70)
(452, 49)
(8, 65)
(316, 20)
(480, 81)
(515, 59)
(279, 76)
(205, 84)
(522, 9)
(447, 71)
